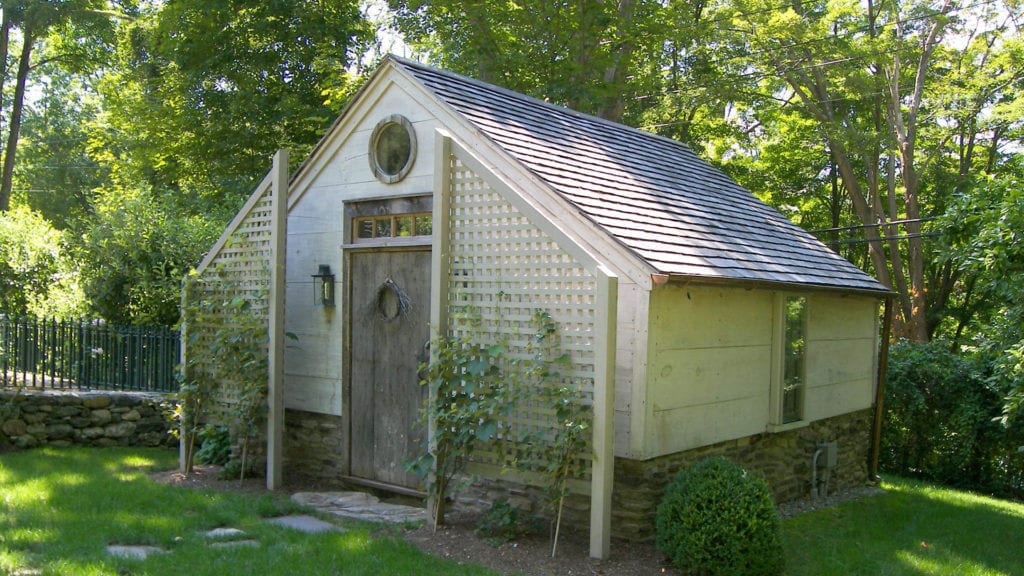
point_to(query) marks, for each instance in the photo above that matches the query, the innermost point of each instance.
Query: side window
(788, 379)
(793, 360)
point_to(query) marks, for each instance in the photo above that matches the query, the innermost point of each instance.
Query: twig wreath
(391, 302)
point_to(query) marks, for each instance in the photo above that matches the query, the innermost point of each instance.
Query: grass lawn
(61, 508)
(914, 529)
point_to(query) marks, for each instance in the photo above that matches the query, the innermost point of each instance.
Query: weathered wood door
(390, 315)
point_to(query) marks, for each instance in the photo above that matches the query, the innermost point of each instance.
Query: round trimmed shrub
(716, 519)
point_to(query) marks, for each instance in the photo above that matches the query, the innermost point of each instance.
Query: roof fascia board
(768, 285)
(240, 217)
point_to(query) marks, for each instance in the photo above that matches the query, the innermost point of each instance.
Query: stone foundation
(30, 418)
(314, 446)
(784, 459)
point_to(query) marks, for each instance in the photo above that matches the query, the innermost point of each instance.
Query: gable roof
(654, 195)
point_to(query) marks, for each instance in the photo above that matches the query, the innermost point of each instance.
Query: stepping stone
(248, 543)
(304, 523)
(361, 506)
(133, 552)
(225, 534)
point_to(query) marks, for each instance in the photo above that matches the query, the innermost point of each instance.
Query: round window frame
(378, 171)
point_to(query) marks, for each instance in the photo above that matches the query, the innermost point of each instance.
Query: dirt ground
(530, 555)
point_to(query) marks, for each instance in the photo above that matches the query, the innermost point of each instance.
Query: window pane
(383, 228)
(406, 226)
(793, 363)
(424, 225)
(364, 228)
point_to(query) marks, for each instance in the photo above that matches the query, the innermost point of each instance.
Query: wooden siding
(710, 363)
(841, 353)
(337, 173)
(708, 373)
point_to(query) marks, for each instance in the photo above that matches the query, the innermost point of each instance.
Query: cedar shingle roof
(652, 194)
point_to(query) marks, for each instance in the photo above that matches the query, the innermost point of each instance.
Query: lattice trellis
(505, 268)
(241, 267)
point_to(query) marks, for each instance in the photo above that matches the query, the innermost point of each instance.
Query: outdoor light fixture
(323, 284)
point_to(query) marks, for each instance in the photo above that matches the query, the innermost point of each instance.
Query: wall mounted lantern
(323, 284)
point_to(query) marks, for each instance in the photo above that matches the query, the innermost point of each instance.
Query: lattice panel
(505, 268)
(240, 268)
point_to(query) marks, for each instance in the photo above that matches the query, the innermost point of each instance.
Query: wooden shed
(699, 320)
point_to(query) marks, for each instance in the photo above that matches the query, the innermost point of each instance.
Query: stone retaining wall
(313, 446)
(30, 418)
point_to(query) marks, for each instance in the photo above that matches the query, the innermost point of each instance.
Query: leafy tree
(204, 92)
(34, 274)
(55, 173)
(136, 253)
(578, 54)
(33, 33)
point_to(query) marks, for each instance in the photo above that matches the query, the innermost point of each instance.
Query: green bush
(716, 519)
(942, 420)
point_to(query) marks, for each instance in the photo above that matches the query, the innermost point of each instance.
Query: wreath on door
(391, 302)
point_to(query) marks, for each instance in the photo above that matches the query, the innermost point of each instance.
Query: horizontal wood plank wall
(842, 345)
(709, 369)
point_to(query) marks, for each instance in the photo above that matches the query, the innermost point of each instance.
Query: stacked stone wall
(784, 459)
(31, 418)
(314, 446)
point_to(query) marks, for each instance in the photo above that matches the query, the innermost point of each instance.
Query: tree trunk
(14, 127)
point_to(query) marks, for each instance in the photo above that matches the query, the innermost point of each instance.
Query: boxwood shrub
(717, 519)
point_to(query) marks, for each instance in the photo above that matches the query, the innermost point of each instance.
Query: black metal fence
(87, 355)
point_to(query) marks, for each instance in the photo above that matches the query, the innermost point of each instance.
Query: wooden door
(390, 315)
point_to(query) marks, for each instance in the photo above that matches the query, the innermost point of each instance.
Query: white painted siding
(709, 368)
(842, 345)
(340, 172)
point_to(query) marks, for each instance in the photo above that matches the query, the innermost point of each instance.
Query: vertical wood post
(275, 361)
(602, 473)
(439, 264)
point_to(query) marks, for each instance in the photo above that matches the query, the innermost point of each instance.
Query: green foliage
(504, 522)
(135, 252)
(226, 364)
(475, 390)
(942, 420)
(215, 447)
(204, 91)
(467, 401)
(718, 520)
(35, 274)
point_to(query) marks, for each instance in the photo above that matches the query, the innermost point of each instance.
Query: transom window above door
(393, 219)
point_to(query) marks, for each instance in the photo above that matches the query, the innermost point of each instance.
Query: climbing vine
(476, 391)
(226, 365)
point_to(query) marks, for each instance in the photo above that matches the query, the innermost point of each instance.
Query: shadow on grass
(61, 508)
(913, 529)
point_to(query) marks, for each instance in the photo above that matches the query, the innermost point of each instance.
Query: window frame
(390, 209)
(780, 345)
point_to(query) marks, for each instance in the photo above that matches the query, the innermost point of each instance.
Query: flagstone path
(357, 505)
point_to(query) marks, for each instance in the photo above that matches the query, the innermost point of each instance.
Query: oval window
(392, 149)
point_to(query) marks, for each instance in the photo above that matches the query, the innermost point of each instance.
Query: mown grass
(913, 529)
(61, 508)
